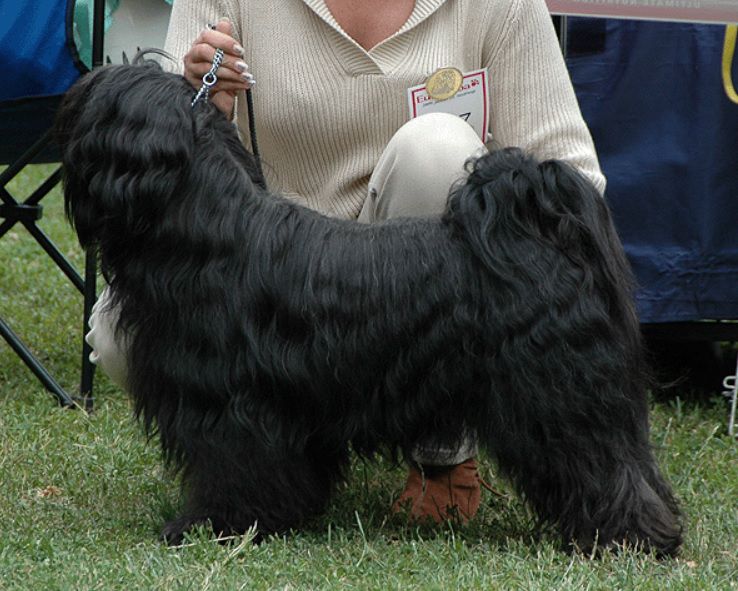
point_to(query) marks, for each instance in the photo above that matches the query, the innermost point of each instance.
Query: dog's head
(133, 148)
(126, 139)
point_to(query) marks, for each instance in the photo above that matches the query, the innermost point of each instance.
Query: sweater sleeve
(190, 17)
(533, 104)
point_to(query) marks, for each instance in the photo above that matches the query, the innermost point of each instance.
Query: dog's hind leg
(625, 501)
(242, 483)
(584, 464)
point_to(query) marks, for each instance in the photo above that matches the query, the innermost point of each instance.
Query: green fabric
(82, 26)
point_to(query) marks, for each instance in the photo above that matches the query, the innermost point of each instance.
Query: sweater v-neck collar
(384, 56)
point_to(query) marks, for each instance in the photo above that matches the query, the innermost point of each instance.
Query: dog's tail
(512, 209)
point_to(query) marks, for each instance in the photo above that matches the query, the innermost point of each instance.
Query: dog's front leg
(234, 483)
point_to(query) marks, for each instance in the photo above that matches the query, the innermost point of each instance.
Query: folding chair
(40, 62)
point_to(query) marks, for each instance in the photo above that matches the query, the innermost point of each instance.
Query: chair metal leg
(34, 365)
(27, 213)
(90, 295)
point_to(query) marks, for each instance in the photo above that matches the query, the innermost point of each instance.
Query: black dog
(266, 339)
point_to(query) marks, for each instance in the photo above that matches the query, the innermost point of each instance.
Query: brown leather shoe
(441, 493)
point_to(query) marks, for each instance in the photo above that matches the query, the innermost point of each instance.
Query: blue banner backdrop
(667, 137)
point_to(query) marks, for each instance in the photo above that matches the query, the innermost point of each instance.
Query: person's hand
(233, 74)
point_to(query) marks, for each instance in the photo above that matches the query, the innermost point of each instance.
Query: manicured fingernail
(238, 49)
(224, 19)
(248, 77)
(241, 66)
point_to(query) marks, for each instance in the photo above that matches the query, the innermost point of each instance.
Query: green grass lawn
(83, 496)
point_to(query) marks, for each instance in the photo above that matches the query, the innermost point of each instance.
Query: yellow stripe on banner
(728, 54)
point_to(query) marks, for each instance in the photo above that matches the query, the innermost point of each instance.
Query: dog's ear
(126, 137)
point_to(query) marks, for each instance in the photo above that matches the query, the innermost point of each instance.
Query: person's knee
(436, 136)
(424, 158)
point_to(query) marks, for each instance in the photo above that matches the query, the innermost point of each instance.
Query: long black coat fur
(266, 338)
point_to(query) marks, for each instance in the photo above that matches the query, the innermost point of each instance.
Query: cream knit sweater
(326, 108)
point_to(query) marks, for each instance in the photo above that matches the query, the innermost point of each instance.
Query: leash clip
(209, 79)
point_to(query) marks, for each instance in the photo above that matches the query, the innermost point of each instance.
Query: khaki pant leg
(108, 349)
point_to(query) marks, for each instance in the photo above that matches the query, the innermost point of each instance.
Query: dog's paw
(173, 532)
